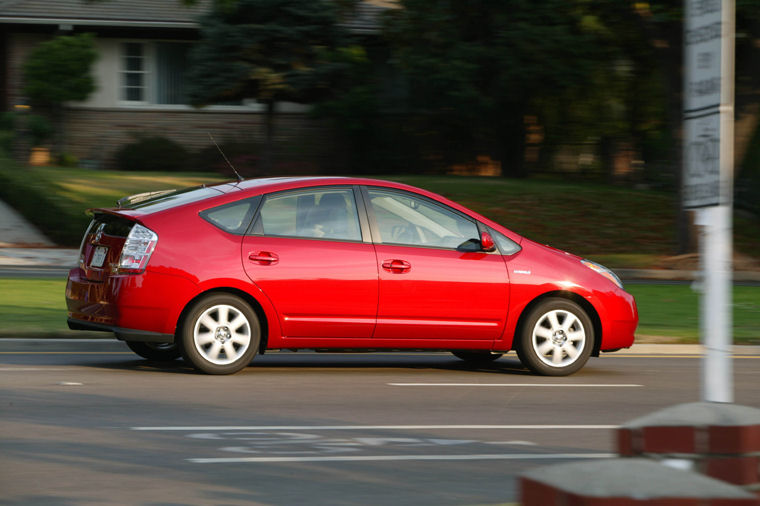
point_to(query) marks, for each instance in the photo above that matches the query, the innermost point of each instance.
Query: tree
(59, 71)
(650, 34)
(476, 70)
(270, 50)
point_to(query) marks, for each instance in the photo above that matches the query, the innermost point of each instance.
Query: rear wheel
(220, 334)
(160, 352)
(556, 338)
(477, 356)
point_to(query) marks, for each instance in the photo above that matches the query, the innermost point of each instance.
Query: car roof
(269, 184)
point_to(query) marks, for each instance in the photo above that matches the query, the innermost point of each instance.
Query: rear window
(108, 224)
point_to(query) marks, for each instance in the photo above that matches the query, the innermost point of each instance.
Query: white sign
(703, 95)
(702, 160)
(702, 47)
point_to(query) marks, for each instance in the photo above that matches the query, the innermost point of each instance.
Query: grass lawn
(33, 307)
(36, 307)
(55, 198)
(673, 311)
(618, 226)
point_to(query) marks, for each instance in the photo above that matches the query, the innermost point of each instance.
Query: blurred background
(560, 119)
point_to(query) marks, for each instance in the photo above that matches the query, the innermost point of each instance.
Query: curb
(683, 349)
(637, 349)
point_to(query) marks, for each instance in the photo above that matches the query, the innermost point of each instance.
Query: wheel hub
(559, 337)
(222, 334)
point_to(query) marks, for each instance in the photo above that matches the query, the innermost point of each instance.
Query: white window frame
(150, 86)
(146, 72)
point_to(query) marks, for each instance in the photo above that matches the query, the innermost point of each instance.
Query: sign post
(708, 176)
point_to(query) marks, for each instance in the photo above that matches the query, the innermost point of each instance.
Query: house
(140, 72)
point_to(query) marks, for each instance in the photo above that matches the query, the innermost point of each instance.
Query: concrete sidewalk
(23, 245)
(15, 230)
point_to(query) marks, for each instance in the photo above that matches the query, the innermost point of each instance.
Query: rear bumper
(120, 332)
(137, 307)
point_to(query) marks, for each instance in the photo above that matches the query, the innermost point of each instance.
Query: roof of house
(144, 13)
(170, 13)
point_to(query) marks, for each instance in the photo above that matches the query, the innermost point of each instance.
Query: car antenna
(240, 179)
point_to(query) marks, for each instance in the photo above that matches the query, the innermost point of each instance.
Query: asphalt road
(91, 423)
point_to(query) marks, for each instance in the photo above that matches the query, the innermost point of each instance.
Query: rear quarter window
(233, 217)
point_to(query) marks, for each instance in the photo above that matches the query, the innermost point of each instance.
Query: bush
(7, 120)
(153, 153)
(6, 142)
(68, 160)
(40, 129)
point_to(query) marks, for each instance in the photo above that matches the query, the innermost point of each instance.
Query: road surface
(91, 423)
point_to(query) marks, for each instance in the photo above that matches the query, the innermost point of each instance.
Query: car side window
(414, 221)
(234, 217)
(324, 213)
(506, 245)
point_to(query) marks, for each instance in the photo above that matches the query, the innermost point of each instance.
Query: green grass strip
(36, 308)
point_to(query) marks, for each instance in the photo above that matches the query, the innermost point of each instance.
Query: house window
(134, 72)
(171, 62)
(154, 72)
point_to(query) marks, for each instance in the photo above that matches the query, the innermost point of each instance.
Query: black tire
(556, 338)
(233, 341)
(477, 357)
(160, 352)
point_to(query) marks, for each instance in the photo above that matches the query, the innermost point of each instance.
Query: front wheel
(160, 352)
(556, 338)
(220, 334)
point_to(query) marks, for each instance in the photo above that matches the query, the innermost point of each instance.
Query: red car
(218, 274)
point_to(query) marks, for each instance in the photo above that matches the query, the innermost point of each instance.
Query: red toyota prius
(220, 273)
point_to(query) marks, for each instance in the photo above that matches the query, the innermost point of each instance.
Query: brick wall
(18, 47)
(727, 452)
(96, 134)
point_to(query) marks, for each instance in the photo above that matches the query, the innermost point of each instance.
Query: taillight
(137, 249)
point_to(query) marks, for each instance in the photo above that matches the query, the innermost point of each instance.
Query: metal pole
(716, 251)
(717, 239)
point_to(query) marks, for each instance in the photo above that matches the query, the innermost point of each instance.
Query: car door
(431, 287)
(307, 253)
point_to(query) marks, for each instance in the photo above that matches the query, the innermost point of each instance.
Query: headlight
(604, 271)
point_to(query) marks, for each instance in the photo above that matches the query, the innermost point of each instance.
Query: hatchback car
(221, 273)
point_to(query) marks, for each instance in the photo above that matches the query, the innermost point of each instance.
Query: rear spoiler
(121, 213)
(141, 197)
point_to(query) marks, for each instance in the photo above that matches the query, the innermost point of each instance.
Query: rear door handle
(397, 266)
(263, 257)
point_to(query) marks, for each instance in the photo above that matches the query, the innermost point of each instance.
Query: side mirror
(486, 242)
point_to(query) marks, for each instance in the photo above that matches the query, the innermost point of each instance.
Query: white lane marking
(373, 427)
(520, 443)
(560, 385)
(66, 353)
(378, 458)
(29, 369)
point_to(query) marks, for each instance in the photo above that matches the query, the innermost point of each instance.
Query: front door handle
(397, 266)
(263, 257)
